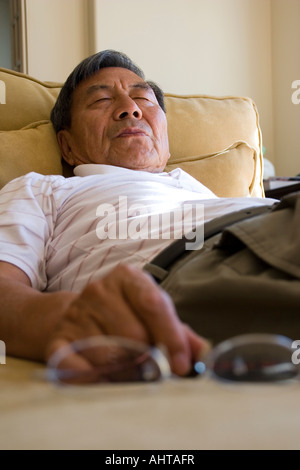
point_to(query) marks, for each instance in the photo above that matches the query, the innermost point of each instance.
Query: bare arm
(27, 316)
(126, 302)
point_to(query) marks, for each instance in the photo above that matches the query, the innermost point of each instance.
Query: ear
(64, 142)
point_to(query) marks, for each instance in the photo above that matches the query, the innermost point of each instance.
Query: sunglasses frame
(156, 353)
(208, 367)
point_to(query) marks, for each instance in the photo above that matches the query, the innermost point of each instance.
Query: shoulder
(187, 181)
(36, 180)
(31, 178)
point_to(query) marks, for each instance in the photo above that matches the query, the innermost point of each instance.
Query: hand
(127, 302)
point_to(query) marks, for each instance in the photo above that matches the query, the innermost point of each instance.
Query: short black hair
(61, 112)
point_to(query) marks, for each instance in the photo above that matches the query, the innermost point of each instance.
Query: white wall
(286, 69)
(56, 37)
(218, 47)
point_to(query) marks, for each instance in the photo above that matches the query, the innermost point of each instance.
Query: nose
(127, 108)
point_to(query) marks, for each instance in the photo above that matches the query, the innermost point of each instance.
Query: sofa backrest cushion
(216, 139)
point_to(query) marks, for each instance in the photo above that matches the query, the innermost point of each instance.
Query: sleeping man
(77, 255)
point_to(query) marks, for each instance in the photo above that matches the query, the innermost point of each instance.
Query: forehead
(110, 77)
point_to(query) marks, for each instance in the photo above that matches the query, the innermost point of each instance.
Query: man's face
(116, 120)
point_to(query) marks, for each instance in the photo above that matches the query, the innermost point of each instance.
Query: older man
(64, 277)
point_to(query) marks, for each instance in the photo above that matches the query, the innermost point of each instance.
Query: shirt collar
(88, 169)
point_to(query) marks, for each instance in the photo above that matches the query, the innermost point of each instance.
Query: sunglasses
(111, 359)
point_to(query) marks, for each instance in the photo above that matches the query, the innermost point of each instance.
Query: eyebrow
(144, 86)
(94, 88)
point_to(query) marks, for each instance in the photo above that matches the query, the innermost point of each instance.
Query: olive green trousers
(246, 279)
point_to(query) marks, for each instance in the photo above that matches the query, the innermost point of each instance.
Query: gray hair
(61, 112)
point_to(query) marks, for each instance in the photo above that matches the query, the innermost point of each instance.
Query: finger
(111, 311)
(200, 346)
(102, 309)
(156, 310)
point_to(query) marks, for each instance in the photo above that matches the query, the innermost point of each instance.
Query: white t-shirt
(65, 232)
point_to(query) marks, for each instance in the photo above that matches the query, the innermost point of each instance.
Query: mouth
(132, 132)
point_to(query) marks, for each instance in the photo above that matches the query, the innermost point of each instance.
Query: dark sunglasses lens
(255, 362)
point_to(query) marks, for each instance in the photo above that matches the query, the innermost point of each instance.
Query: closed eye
(99, 101)
(146, 100)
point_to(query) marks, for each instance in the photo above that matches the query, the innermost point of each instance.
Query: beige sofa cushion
(229, 173)
(27, 100)
(25, 148)
(216, 139)
(201, 126)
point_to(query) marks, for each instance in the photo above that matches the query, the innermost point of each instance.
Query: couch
(217, 140)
